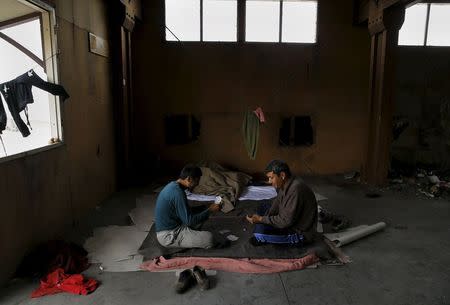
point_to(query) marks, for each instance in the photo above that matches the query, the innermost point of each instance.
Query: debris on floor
(232, 237)
(427, 181)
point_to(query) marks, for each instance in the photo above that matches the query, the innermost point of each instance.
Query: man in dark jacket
(292, 217)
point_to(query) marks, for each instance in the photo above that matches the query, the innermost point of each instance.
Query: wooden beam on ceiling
(362, 7)
(19, 20)
(388, 3)
(23, 49)
(134, 7)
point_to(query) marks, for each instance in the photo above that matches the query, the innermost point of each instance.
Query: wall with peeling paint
(423, 99)
(44, 194)
(218, 82)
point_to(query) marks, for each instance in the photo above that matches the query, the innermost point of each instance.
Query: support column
(124, 14)
(384, 25)
(241, 20)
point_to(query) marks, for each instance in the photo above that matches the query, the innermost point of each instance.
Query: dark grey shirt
(294, 208)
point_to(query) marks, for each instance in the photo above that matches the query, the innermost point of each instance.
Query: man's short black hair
(190, 170)
(278, 166)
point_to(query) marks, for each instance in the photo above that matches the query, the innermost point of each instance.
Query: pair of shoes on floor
(340, 223)
(189, 278)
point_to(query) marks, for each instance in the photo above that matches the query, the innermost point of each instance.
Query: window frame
(280, 26)
(47, 15)
(427, 26)
(201, 41)
(241, 28)
(299, 43)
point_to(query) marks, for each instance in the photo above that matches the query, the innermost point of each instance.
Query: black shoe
(340, 224)
(201, 277)
(325, 216)
(185, 281)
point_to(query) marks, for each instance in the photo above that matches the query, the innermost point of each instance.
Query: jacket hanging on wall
(17, 94)
(250, 131)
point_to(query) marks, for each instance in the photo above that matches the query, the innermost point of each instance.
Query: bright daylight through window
(185, 19)
(289, 21)
(298, 21)
(26, 48)
(426, 24)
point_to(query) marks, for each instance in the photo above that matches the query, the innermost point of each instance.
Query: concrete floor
(407, 263)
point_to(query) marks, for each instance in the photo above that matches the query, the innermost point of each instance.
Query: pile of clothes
(58, 264)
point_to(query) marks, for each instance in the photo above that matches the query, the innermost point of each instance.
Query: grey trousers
(185, 237)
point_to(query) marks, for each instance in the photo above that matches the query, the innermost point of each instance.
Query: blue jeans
(268, 234)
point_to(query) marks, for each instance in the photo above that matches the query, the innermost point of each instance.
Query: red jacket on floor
(58, 281)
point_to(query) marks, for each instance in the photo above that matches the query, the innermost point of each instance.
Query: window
(296, 131)
(201, 20)
(27, 42)
(297, 19)
(289, 21)
(183, 20)
(181, 129)
(426, 25)
(439, 25)
(219, 20)
(262, 21)
(412, 32)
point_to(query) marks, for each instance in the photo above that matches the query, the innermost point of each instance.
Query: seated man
(176, 225)
(292, 217)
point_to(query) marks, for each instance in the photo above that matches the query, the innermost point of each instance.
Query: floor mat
(238, 231)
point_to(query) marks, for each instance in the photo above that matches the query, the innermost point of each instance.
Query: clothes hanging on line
(260, 114)
(17, 94)
(3, 145)
(250, 132)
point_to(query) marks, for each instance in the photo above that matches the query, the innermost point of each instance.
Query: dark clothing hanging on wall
(250, 131)
(17, 94)
(2, 116)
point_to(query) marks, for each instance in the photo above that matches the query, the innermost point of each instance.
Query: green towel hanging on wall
(250, 131)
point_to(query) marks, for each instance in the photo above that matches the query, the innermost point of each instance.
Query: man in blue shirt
(176, 225)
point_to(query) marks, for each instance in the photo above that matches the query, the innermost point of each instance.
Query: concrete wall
(219, 82)
(43, 194)
(422, 90)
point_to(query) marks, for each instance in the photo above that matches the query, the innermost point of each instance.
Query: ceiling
(12, 8)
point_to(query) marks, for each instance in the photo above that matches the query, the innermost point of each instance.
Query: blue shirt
(172, 209)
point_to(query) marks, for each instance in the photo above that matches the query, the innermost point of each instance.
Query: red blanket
(241, 265)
